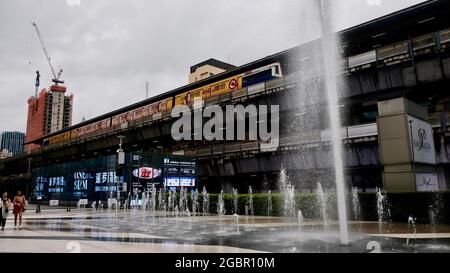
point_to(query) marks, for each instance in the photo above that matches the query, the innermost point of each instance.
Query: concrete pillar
(408, 156)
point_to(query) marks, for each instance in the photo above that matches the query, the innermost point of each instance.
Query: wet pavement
(137, 231)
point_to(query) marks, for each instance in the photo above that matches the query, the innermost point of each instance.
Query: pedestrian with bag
(20, 204)
(4, 210)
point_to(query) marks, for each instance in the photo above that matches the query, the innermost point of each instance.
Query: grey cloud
(109, 48)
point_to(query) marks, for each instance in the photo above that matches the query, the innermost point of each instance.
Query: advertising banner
(427, 182)
(172, 171)
(422, 141)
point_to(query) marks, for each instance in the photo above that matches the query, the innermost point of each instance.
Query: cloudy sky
(110, 48)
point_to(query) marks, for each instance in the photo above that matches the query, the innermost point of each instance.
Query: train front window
(277, 71)
(256, 78)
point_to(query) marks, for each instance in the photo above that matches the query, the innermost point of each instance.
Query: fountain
(174, 200)
(221, 209)
(300, 222)
(182, 201)
(176, 214)
(321, 97)
(251, 210)
(188, 213)
(195, 205)
(380, 210)
(288, 192)
(162, 200)
(170, 201)
(153, 199)
(269, 205)
(322, 201)
(205, 196)
(356, 204)
(436, 208)
(179, 200)
(144, 200)
(412, 228)
(384, 213)
(237, 223)
(235, 202)
(136, 200)
(330, 68)
(128, 201)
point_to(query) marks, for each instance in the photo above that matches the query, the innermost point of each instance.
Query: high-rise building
(207, 69)
(12, 141)
(51, 111)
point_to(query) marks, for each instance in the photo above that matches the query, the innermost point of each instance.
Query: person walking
(20, 204)
(4, 210)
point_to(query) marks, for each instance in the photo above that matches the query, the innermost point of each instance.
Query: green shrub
(401, 205)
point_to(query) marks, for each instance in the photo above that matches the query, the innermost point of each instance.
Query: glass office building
(13, 142)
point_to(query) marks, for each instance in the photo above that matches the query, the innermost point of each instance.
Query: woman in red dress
(19, 203)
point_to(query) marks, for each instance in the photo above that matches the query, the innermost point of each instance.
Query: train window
(256, 78)
(423, 41)
(362, 59)
(445, 36)
(277, 70)
(392, 50)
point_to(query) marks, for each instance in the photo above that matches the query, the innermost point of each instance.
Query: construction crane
(56, 77)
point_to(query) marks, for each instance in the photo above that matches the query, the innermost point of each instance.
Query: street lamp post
(120, 163)
(29, 165)
(29, 173)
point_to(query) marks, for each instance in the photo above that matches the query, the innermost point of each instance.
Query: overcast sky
(110, 48)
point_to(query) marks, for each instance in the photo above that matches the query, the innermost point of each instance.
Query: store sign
(427, 182)
(172, 181)
(147, 173)
(56, 184)
(423, 142)
(39, 186)
(80, 182)
(187, 181)
(106, 182)
(179, 172)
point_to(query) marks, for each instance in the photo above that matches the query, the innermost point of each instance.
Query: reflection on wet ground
(268, 234)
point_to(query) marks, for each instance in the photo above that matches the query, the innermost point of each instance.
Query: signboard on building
(80, 184)
(96, 178)
(56, 184)
(426, 182)
(168, 171)
(179, 172)
(422, 141)
(40, 186)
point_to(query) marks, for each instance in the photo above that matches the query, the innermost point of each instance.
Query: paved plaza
(141, 231)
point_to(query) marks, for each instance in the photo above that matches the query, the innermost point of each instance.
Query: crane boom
(56, 79)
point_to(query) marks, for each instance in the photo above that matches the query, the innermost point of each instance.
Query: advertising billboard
(427, 182)
(97, 178)
(89, 179)
(172, 171)
(422, 141)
